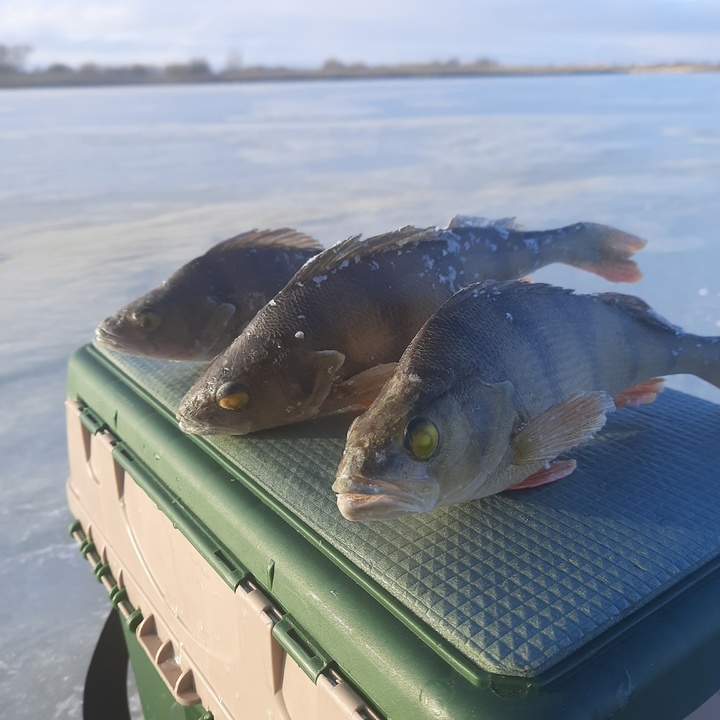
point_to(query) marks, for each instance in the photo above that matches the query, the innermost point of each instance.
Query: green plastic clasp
(300, 647)
(91, 421)
(76, 529)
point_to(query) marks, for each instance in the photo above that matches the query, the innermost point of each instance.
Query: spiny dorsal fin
(481, 222)
(638, 308)
(282, 238)
(354, 249)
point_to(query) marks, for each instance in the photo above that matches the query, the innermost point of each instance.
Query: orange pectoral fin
(641, 394)
(554, 471)
(357, 393)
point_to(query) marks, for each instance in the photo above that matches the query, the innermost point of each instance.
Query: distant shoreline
(198, 72)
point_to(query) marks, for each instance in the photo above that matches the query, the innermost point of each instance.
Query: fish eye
(146, 319)
(232, 396)
(421, 438)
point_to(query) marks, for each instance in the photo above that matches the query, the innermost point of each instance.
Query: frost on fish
(483, 222)
(365, 316)
(449, 279)
(453, 246)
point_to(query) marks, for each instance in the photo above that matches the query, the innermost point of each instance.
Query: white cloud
(69, 19)
(288, 32)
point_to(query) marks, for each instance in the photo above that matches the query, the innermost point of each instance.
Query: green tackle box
(245, 594)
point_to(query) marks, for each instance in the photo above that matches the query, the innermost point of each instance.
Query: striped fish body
(330, 337)
(550, 343)
(499, 382)
(367, 300)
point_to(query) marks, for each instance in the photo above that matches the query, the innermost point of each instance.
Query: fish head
(256, 385)
(420, 447)
(169, 324)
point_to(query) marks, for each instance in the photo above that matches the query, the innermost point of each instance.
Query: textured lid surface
(518, 581)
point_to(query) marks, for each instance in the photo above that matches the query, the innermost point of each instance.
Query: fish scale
(502, 380)
(546, 320)
(326, 342)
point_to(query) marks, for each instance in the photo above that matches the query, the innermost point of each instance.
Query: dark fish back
(235, 273)
(547, 341)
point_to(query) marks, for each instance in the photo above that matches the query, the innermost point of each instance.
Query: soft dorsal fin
(477, 221)
(282, 238)
(354, 249)
(638, 308)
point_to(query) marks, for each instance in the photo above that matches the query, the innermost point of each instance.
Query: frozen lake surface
(104, 192)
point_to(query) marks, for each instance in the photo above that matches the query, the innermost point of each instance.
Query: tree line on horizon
(13, 59)
(14, 70)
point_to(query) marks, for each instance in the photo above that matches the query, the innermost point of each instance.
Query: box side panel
(624, 675)
(210, 645)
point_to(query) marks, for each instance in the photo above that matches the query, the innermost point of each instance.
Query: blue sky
(287, 32)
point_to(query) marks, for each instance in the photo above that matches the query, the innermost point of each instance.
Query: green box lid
(516, 593)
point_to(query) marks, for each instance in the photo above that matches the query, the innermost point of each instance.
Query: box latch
(309, 657)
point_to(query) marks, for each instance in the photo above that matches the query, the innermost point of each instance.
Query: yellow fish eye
(232, 396)
(421, 438)
(146, 319)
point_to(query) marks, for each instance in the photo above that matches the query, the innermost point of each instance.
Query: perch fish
(200, 309)
(329, 340)
(499, 382)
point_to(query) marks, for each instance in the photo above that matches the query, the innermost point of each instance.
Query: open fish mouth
(361, 499)
(132, 346)
(108, 339)
(192, 427)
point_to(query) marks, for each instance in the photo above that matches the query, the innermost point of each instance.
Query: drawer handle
(181, 683)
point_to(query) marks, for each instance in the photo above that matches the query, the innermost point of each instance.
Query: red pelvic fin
(556, 470)
(641, 394)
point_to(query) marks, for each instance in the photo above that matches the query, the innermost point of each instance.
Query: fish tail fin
(700, 356)
(603, 250)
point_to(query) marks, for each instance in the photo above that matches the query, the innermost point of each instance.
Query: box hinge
(101, 570)
(296, 643)
(91, 421)
(335, 692)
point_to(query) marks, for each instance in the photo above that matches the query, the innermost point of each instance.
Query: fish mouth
(107, 339)
(192, 427)
(198, 427)
(361, 499)
(191, 421)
